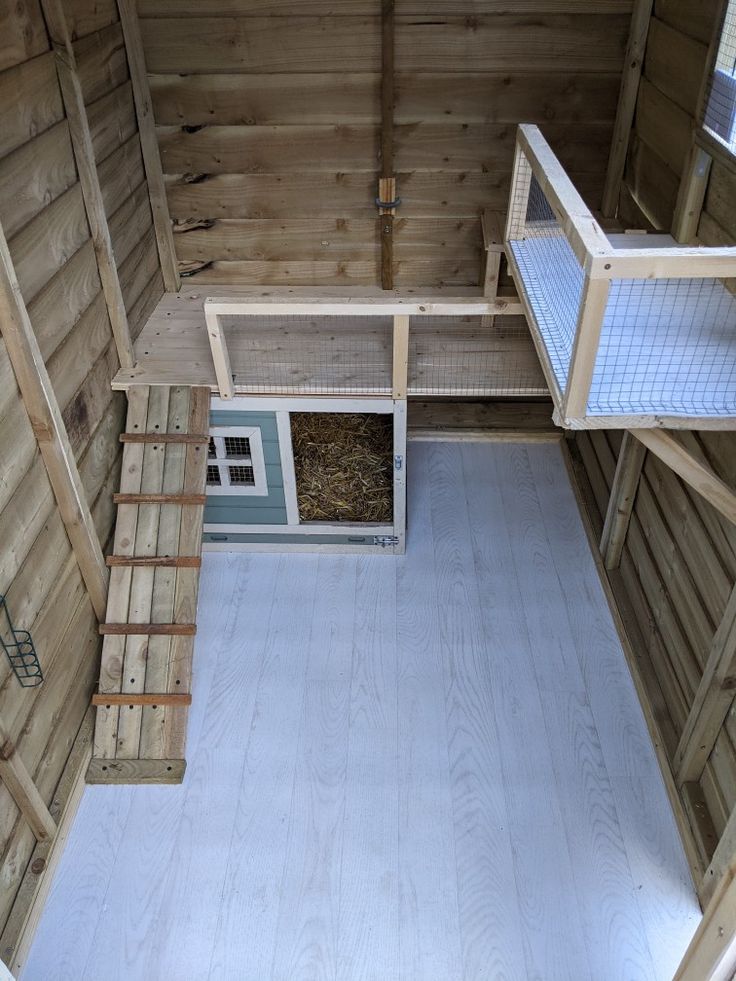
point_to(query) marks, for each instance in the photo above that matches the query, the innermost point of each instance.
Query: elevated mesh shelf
(663, 352)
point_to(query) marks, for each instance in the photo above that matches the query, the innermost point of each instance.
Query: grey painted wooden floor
(432, 767)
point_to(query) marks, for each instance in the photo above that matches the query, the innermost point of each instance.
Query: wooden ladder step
(140, 698)
(182, 499)
(165, 561)
(195, 438)
(149, 629)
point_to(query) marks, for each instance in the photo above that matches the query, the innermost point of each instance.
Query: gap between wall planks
(84, 155)
(149, 145)
(49, 429)
(633, 62)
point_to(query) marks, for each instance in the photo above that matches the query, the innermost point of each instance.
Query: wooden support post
(585, 348)
(711, 955)
(400, 432)
(621, 502)
(691, 195)
(521, 185)
(712, 701)
(693, 471)
(149, 144)
(23, 790)
(220, 357)
(722, 858)
(633, 61)
(387, 182)
(48, 426)
(71, 90)
(400, 357)
(491, 223)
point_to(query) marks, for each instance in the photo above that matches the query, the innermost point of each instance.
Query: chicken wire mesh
(666, 346)
(553, 278)
(317, 354)
(473, 356)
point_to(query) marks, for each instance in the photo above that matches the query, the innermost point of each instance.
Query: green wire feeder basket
(18, 645)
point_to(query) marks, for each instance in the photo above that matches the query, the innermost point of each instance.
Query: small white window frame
(222, 462)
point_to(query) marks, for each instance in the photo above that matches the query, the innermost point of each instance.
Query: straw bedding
(344, 466)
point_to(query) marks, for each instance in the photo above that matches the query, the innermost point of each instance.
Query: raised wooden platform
(145, 677)
(353, 356)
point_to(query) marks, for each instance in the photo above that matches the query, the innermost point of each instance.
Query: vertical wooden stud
(621, 502)
(387, 182)
(585, 348)
(220, 356)
(400, 356)
(71, 90)
(633, 61)
(149, 144)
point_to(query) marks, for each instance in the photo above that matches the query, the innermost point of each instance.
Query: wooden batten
(621, 502)
(633, 62)
(84, 153)
(24, 792)
(387, 181)
(48, 426)
(149, 144)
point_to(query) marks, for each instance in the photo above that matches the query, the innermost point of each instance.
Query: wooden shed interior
(460, 702)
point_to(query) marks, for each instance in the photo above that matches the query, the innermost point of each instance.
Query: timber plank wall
(43, 215)
(679, 562)
(268, 116)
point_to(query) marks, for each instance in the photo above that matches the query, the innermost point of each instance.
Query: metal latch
(398, 462)
(385, 540)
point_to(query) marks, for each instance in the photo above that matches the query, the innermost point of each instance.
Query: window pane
(213, 477)
(236, 446)
(242, 475)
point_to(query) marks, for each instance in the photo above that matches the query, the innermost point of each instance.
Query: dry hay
(344, 466)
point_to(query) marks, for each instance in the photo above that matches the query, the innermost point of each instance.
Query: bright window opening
(720, 103)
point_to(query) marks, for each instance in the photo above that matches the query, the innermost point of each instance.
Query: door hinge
(385, 540)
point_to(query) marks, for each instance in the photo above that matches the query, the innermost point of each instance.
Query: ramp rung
(183, 499)
(149, 629)
(156, 561)
(141, 698)
(194, 438)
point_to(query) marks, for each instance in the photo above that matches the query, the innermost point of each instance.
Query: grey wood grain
(421, 768)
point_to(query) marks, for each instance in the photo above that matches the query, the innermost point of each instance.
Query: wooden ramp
(146, 671)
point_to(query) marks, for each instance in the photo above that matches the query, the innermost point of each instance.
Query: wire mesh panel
(472, 356)
(552, 277)
(297, 354)
(666, 346)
